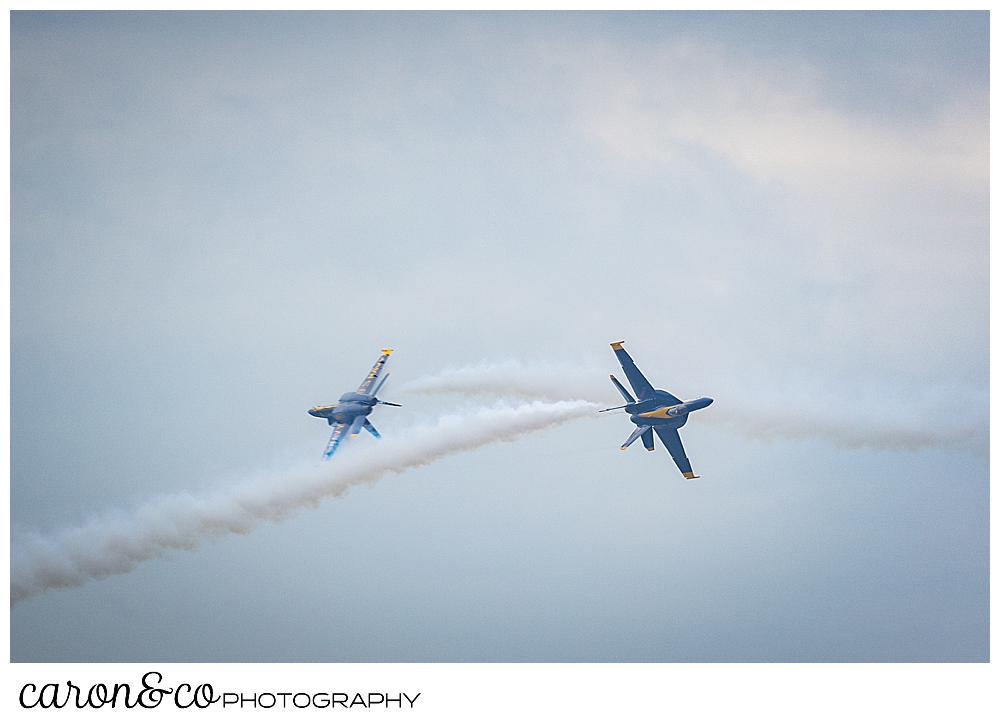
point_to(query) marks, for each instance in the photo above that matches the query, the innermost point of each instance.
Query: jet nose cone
(313, 412)
(708, 400)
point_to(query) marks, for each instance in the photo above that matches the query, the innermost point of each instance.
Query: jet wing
(375, 373)
(643, 389)
(672, 440)
(338, 434)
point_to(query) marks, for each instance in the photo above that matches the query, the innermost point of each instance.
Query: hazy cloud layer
(218, 219)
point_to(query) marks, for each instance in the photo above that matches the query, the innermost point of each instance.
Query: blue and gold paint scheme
(350, 414)
(654, 410)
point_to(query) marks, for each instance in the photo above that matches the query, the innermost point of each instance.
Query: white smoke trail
(513, 378)
(116, 544)
(955, 419)
(854, 433)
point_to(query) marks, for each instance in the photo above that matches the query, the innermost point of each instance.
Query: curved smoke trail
(954, 419)
(513, 378)
(116, 544)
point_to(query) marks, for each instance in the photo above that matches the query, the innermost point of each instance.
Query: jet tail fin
(380, 383)
(638, 432)
(623, 390)
(357, 424)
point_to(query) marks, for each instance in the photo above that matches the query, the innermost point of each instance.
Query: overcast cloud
(217, 220)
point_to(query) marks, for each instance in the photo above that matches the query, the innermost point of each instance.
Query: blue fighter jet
(351, 412)
(655, 411)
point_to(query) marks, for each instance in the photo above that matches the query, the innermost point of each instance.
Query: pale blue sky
(219, 219)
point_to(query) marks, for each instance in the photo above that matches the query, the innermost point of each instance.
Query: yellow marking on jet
(659, 413)
(353, 406)
(690, 475)
(616, 345)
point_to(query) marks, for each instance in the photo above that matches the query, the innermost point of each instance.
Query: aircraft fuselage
(347, 408)
(350, 414)
(655, 412)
